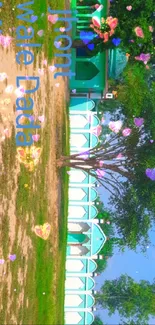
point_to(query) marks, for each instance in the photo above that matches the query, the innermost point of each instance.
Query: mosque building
(85, 236)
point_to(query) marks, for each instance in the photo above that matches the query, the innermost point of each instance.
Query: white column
(78, 274)
(80, 203)
(81, 185)
(78, 292)
(78, 309)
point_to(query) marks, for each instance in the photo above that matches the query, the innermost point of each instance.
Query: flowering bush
(131, 30)
(135, 25)
(104, 28)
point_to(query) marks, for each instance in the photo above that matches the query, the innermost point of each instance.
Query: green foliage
(135, 204)
(101, 265)
(132, 200)
(97, 321)
(133, 90)
(132, 322)
(107, 228)
(139, 16)
(131, 221)
(131, 299)
(106, 251)
(136, 97)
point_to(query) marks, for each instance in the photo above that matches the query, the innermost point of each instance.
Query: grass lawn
(32, 290)
(9, 13)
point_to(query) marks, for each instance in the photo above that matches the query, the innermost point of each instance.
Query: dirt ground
(56, 98)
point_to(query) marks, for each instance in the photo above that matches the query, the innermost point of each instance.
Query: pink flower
(129, 8)
(113, 23)
(126, 132)
(96, 31)
(109, 19)
(139, 32)
(106, 37)
(101, 35)
(53, 18)
(96, 22)
(115, 126)
(111, 32)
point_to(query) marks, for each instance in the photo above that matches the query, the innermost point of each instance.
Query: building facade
(85, 237)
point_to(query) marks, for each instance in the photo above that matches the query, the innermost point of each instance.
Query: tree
(107, 227)
(119, 164)
(97, 321)
(106, 251)
(135, 96)
(138, 13)
(136, 93)
(109, 230)
(131, 299)
(133, 323)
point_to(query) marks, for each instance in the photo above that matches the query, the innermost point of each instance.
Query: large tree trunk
(91, 164)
